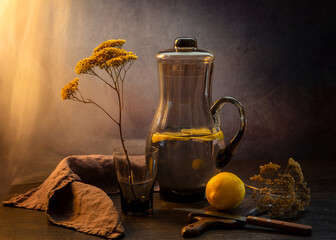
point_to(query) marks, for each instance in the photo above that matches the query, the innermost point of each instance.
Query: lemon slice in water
(198, 134)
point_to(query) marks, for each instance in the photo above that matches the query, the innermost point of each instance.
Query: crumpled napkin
(75, 195)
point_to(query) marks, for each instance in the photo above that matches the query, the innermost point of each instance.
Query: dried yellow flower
(105, 57)
(295, 168)
(116, 62)
(69, 90)
(131, 56)
(269, 168)
(86, 65)
(121, 60)
(110, 58)
(110, 43)
(106, 54)
(281, 194)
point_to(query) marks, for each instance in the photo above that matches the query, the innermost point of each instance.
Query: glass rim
(120, 150)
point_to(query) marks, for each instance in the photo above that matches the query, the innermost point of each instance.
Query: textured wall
(276, 57)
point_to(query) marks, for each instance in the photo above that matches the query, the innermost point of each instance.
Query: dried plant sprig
(70, 89)
(110, 43)
(108, 56)
(281, 194)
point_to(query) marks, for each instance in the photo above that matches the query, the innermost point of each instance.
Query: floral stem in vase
(130, 173)
(108, 56)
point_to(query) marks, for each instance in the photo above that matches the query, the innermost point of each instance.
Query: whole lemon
(225, 191)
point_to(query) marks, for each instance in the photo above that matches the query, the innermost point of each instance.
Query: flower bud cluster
(107, 55)
(281, 194)
(70, 89)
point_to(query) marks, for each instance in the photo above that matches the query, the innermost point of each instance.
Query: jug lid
(185, 49)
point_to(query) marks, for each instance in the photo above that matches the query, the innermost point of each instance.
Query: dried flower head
(281, 194)
(70, 89)
(110, 43)
(269, 168)
(105, 56)
(85, 66)
(121, 60)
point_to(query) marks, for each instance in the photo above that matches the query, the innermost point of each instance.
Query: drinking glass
(136, 176)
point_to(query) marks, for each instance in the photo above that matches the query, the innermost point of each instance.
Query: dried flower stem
(259, 189)
(97, 105)
(110, 57)
(251, 187)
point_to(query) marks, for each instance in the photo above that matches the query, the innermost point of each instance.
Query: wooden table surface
(165, 223)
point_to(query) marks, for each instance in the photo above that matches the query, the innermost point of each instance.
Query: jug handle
(224, 155)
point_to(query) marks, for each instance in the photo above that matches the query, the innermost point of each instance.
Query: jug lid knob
(185, 50)
(185, 43)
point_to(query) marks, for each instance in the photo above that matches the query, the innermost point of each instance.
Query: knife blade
(256, 221)
(213, 213)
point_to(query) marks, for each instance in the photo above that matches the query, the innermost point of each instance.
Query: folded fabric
(75, 195)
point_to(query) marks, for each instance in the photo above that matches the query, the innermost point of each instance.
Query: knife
(256, 221)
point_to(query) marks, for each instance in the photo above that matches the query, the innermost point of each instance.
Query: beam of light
(31, 48)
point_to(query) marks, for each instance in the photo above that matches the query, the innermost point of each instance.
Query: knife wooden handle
(206, 223)
(280, 225)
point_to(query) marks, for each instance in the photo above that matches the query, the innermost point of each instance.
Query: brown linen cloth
(75, 196)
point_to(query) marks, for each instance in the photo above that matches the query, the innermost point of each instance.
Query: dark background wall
(276, 57)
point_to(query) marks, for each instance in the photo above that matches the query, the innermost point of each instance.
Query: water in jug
(186, 126)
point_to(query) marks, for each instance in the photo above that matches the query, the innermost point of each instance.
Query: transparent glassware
(136, 177)
(186, 126)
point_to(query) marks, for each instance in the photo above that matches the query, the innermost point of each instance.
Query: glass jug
(186, 127)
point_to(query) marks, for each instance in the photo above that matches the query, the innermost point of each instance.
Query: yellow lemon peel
(202, 134)
(225, 191)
